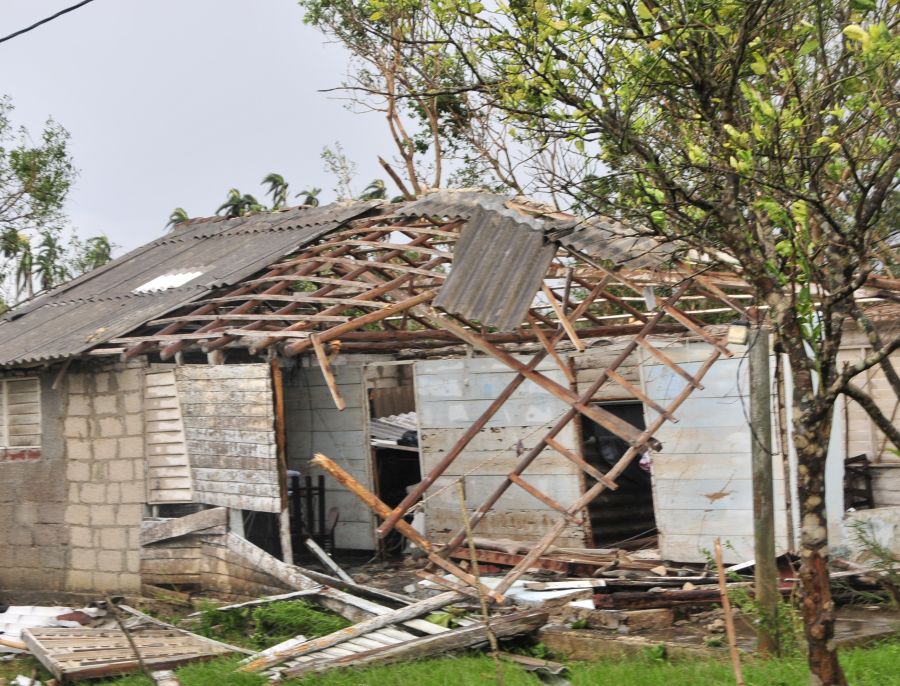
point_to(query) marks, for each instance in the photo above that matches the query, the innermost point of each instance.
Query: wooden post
(766, 570)
(729, 620)
(284, 520)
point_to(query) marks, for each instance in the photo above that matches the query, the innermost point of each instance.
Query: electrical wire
(44, 21)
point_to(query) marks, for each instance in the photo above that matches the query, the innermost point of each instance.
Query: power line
(44, 21)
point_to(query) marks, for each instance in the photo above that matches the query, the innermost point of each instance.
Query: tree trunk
(811, 433)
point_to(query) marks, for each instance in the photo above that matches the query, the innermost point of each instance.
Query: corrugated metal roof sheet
(102, 304)
(499, 261)
(612, 241)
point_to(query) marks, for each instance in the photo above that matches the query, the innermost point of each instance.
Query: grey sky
(172, 102)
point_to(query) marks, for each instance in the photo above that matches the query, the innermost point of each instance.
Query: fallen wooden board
(502, 626)
(155, 531)
(147, 619)
(84, 653)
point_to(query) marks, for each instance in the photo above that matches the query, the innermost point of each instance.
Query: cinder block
(79, 406)
(106, 404)
(134, 424)
(102, 382)
(75, 427)
(109, 561)
(130, 379)
(51, 513)
(26, 513)
(133, 561)
(93, 493)
(83, 558)
(133, 492)
(53, 557)
(129, 583)
(79, 449)
(79, 580)
(112, 493)
(78, 471)
(100, 472)
(81, 536)
(111, 427)
(20, 535)
(50, 535)
(75, 383)
(133, 402)
(106, 448)
(132, 446)
(78, 514)
(121, 470)
(103, 515)
(106, 581)
(129, 514)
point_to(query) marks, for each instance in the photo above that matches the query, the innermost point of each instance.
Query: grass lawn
(875, 666)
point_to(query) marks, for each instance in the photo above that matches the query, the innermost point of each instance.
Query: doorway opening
(393, 440)
(623, 517)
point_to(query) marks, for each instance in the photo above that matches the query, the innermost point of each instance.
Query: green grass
(268, 625)
(875, 666)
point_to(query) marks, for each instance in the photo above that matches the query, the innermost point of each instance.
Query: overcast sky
(172, 102)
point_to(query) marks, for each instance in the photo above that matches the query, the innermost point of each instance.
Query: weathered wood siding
(886, 485)
(452, 394)
(228, 417)
(20, 411)
(315, 425)
(862, 434)
(702, 477)
(168, 469)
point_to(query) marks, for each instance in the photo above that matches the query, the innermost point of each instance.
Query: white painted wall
(702, 477)
(315, 425)
(451, 394)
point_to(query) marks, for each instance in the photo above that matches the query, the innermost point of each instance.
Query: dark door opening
(624, 515)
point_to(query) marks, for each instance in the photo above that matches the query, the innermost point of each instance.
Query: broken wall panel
(168, 468)
(229, 432)
(451, 394)
(702, 485)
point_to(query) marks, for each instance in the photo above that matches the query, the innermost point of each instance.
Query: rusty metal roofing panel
(103, 304)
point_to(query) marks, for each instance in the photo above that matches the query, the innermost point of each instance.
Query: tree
(403, 67)
(764, 129)
(238, 204)
(35, 179)
(178, 216)
(278, 189)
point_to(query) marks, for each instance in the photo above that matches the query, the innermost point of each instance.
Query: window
(20, 416)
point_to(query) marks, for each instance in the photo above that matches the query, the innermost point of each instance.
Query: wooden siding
(451, 395)
(315, 425)
(702, 477)
(20, 411)
(168, 469)
(228, 417)
(862, 435)
(590, 364)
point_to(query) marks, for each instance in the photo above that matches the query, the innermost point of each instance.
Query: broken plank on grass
(502, 626)
(260, 601)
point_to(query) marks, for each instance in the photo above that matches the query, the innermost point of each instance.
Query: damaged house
(565, 382)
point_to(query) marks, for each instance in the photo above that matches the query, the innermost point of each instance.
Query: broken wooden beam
(326, 560)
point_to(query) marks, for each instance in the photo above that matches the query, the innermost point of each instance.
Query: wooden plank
(561, 316)
(502, 627)
(322, 357)
(152, 532)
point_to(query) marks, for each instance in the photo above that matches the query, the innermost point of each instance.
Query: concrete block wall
(103, 436)
(33, 536)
